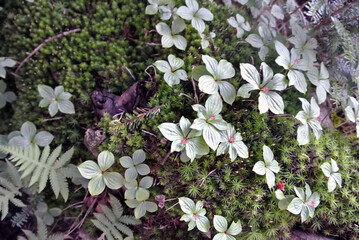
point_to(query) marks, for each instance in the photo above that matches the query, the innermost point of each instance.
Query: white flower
(171, 69)
(169, 35)
(210, 84)
(204, 39)
(309, 118)
(268, 99)
(195, 14)
(292, 62)
(239, 24)
(321, 80)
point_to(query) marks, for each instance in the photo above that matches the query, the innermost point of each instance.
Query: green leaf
(220, 223)
(295, 206)
(203, 224)
(235, 228)
(43, 138)
(105, 160)
(131, 174)
(140, 210)
(146, 182)
(279, 194)
(199, 71)
(187, 205)
(143, 169)
(284, 203)
(66, 106)
(89, 169)
(96, 185)
(138, 156)
(171, 131)
(113, 180)
(142, 194)
(126, 162)
(46, 92)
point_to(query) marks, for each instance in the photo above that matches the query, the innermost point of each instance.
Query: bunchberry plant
(168, 11)
(267, 167)
(154, 6)
(29, 137)
(210, 84)
(239, 24)
(302, 45)
(197, 15)
(310, 119)
(231, 142)
(305, 203)
(141, 207)
(170, 36)
(205, 39)
(7, 96)
(268, 98)
(47, 215)
(210, 121)
(5, 62)
(99, 174)
(139, 190)
(284, 201)
(261, 41)
(171, 69)
(194, 214)
(294, 65)
(330, 170)
(56, 100)
(184, 139)
(320, 79)
(135, 165)
(352, 112)
(224, 233)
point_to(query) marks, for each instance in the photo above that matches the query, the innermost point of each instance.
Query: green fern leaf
(112, 222)
(41, 169)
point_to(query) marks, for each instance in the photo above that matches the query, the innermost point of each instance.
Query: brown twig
(52, 119)
(165, 158)
(196, 101)
(151, 66)
(152, 44)
(43, 43)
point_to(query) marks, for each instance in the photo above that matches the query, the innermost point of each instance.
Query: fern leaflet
(112, 222)
(9, 189)
(42, 167)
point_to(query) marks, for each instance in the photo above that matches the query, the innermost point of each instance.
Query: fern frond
(350, 44)
(42, 167)
(41, 233)
(20, 218)
(112, 222)
(8, 193)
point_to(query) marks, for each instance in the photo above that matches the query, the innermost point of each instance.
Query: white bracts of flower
(210, 84)
(310, 119)
(195, 14)
(268, 98)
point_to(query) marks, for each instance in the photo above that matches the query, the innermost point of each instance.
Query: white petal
(208, 85)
